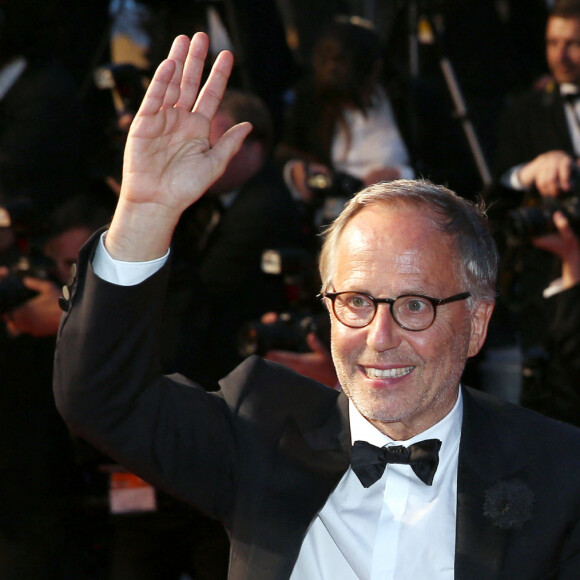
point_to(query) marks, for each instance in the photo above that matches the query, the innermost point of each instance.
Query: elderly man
(444, 481)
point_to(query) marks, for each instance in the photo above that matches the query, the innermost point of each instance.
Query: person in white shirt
(402, 474)
(341, 123)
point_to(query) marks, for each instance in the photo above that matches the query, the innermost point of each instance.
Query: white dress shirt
(398, 528)
(373, 141)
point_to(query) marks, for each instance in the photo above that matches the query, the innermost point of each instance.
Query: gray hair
(453, 215)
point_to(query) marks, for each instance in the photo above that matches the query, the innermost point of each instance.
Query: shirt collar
(569, 89)
(448, 430)
(10, 73)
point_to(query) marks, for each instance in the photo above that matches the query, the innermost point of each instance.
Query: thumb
(37, 284)
(229, 144)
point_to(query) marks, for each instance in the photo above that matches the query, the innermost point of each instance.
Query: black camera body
(531, 221)
(335, 184)
(289, 333)
(13, 292)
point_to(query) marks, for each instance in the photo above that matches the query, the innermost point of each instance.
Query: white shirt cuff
(555, 287)
(511, 178)
(123, 273)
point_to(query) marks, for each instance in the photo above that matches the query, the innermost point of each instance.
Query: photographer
(342, 120)
(43, 533)
(539, 130)
(248, 210)
(538, 142)
(551, 378)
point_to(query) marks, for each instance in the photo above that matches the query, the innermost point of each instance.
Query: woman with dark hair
(341, 118)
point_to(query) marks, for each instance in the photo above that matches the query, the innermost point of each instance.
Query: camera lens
(528, 222)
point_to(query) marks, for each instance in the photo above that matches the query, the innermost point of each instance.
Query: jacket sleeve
(110, 390)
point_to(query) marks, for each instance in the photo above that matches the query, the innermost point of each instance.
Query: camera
(289, 332)
(28, 225)
(335, 184)
(13, 292)
(537, 220)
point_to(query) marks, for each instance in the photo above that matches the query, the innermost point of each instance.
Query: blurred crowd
(478, 95)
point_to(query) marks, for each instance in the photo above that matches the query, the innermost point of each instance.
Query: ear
(479, 322)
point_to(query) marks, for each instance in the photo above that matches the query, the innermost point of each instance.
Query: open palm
(168, 162)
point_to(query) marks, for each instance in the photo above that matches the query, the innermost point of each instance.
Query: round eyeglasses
(410, 311)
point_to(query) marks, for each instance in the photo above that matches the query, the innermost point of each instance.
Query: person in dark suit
(537, 150)
(247, 211)
(550, 386)
(475, 488)
(538, 137)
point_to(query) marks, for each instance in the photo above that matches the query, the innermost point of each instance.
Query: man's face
(402, 381)
(563, 49)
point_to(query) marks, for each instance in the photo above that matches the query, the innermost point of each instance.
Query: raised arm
(168, 162)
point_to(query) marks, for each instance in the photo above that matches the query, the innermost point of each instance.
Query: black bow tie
(571, 98)
(369, 462)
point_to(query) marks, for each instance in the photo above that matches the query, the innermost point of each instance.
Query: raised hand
(168, 162)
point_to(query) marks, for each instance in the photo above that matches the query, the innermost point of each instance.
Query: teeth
(388, 373)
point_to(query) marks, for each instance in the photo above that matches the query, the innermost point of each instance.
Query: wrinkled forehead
(563, 27)
(400, 238)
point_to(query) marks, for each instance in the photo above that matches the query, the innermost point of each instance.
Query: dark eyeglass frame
(391, 301)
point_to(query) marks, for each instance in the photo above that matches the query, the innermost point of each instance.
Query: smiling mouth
(373, 373)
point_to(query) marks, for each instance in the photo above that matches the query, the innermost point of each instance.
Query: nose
(383, 333)
(562, 53)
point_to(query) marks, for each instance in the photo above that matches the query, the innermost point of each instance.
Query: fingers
(193, 71)
(177, 80)
(563, 225)
(177, 54)
(155, 95)
(213, 90)
(38, 284)
(552, 173)
(564, 175)
(185, 61)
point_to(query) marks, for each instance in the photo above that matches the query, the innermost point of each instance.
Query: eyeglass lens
(357, 310)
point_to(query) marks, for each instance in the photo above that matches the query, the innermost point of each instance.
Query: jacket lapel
(484, 461)
(317, 458)
(555, 109)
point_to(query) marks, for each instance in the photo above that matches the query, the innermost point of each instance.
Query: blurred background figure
(248, 211)
(42, 130)
(551, 382)
(44, 529)
(538, 141)
(341, 130)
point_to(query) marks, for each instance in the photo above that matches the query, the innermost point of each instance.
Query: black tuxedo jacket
(551, 384)
(531, 123)
(264, 453)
